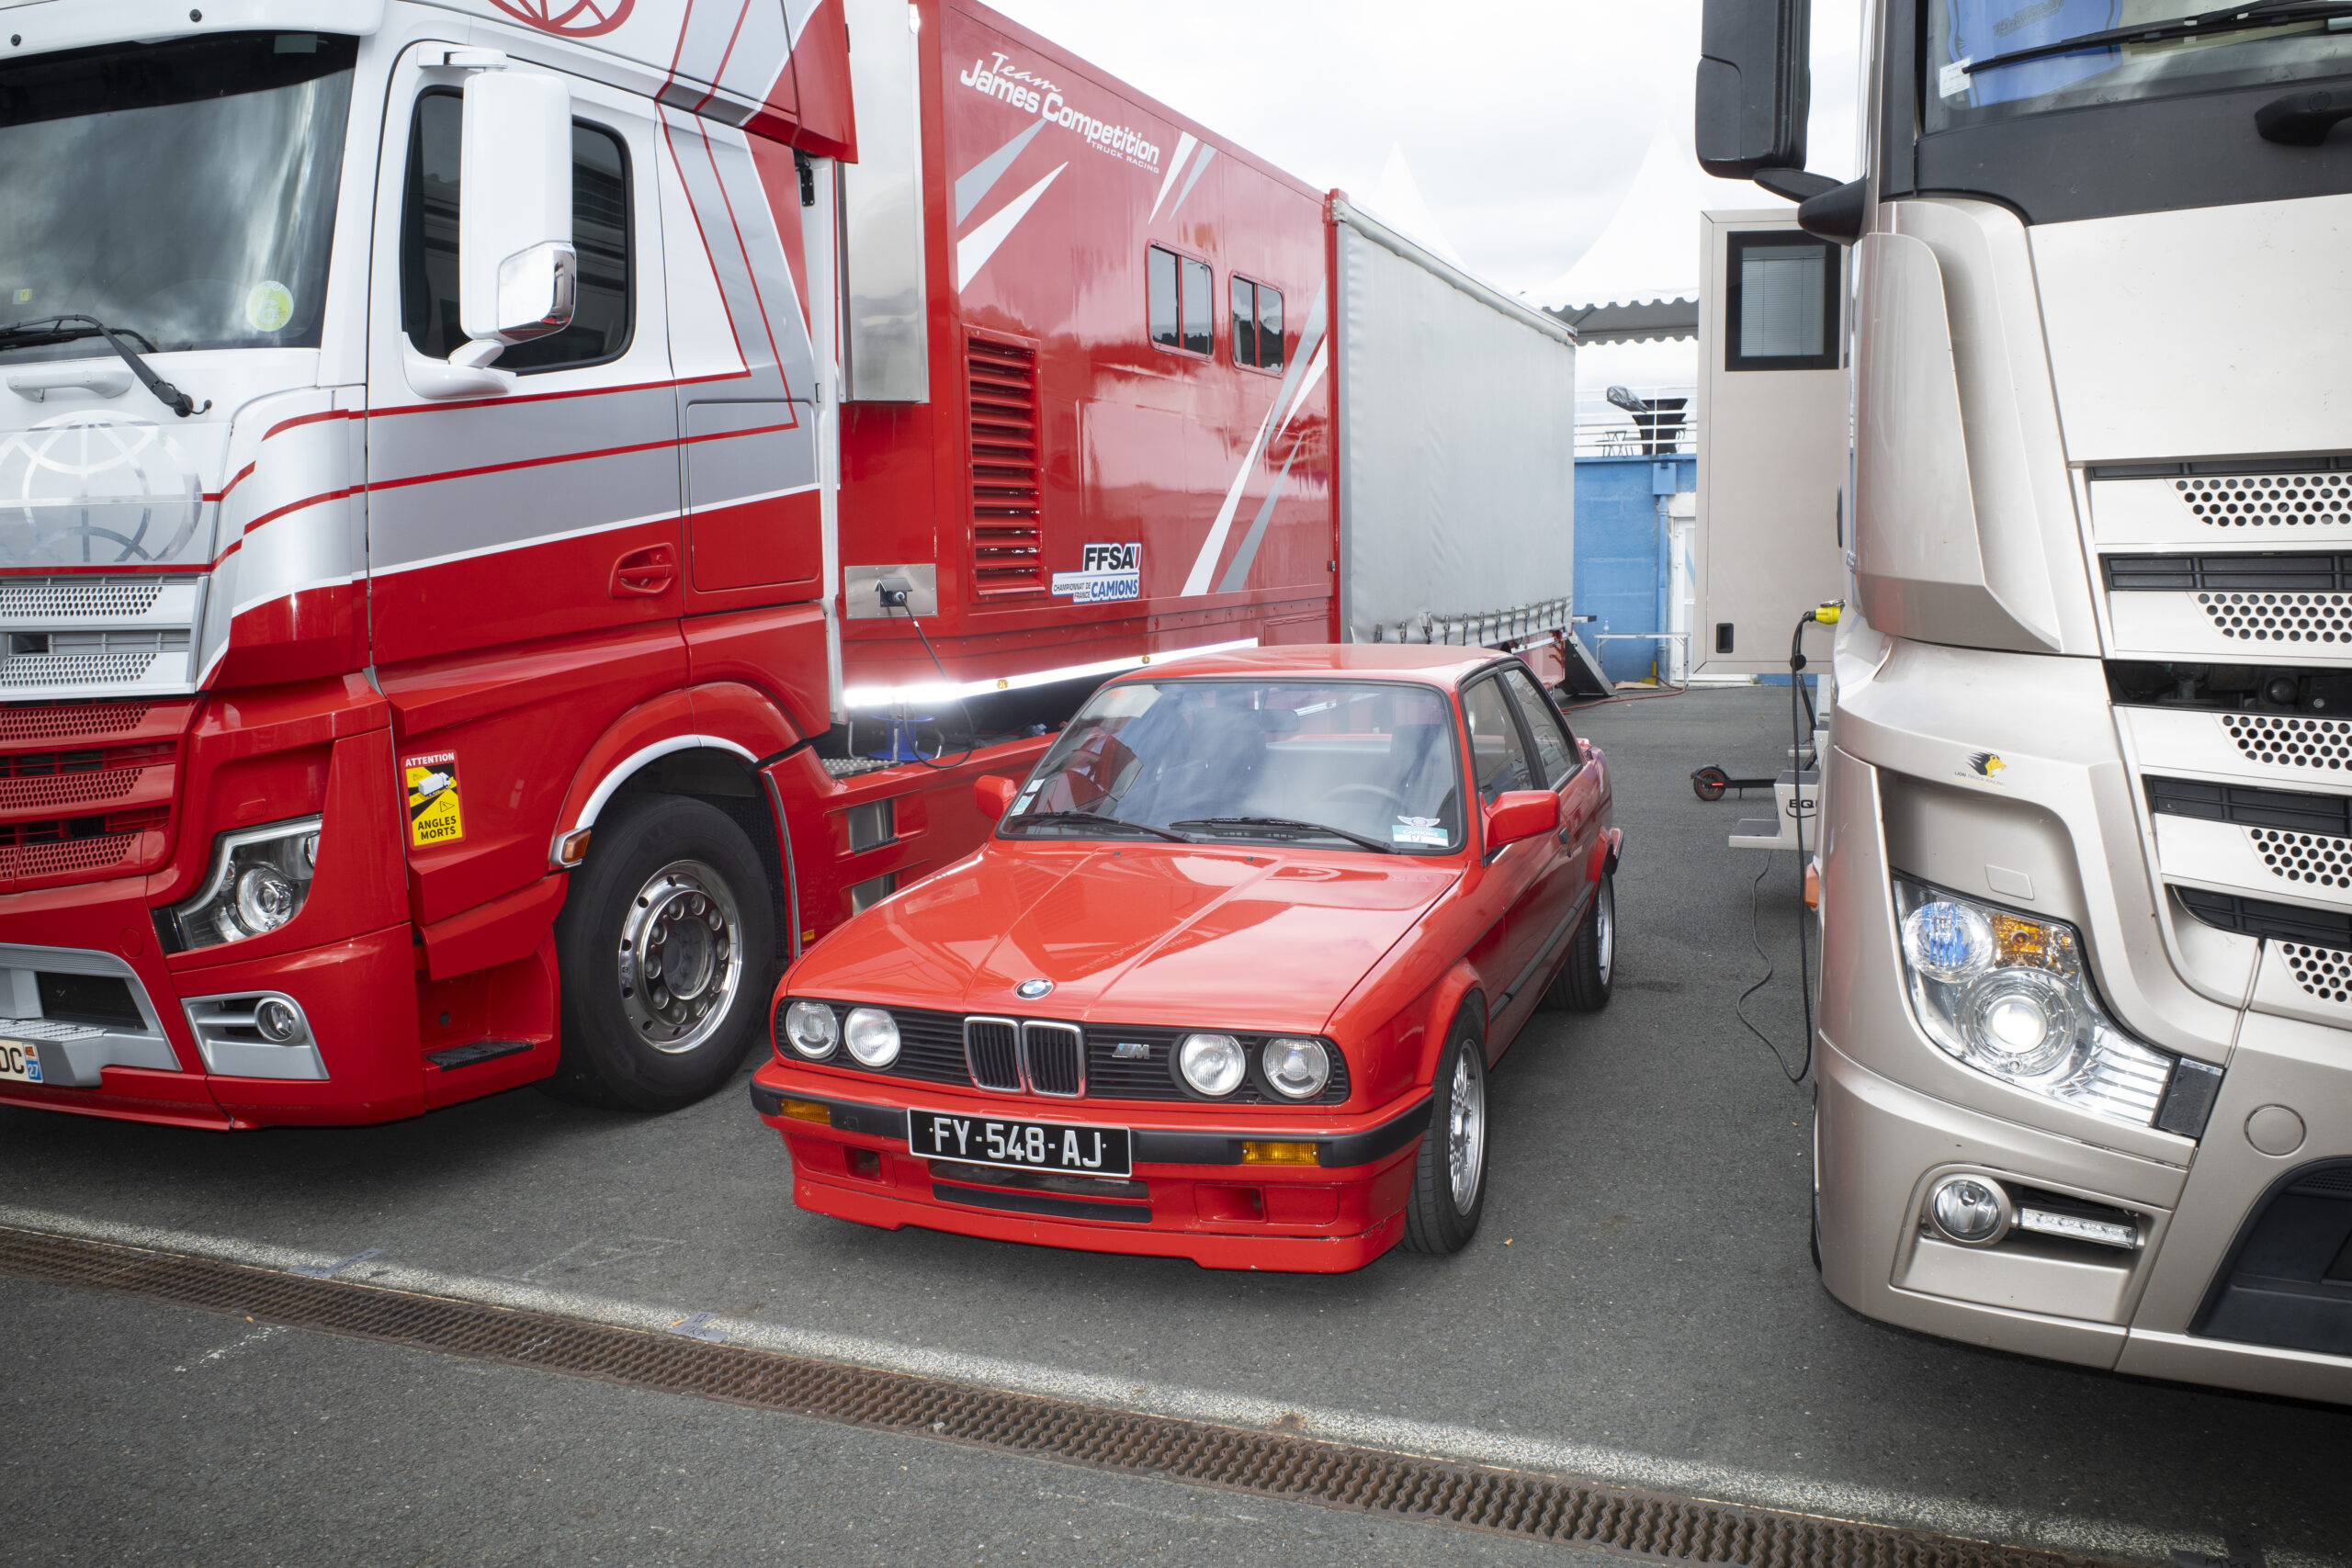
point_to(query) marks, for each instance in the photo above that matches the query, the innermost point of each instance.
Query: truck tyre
(1583, 985)
(1449, 1174)
(666, 942)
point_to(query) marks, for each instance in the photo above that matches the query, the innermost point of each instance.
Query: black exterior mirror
(1755, 83)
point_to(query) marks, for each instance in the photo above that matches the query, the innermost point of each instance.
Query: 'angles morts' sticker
(434, 814)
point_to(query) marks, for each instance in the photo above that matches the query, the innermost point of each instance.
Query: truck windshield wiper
(1089, 820)
(1290, 826)
(66, 329)
(2231, 19)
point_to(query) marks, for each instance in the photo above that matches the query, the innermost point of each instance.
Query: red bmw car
(1229, 980)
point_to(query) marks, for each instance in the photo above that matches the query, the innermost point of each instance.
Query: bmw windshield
(1334, 763)
(182, 193)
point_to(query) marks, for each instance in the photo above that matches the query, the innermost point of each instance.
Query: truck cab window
(600, 232)
(1257, 325)
(1780, 297)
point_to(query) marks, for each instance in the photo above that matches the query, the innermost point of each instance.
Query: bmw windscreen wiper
(1089, 820)
(1290, 827)
(66, 329)
(2231, 19)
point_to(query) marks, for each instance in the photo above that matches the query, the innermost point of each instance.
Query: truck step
(475, 1053)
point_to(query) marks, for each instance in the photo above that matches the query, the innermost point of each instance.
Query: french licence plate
(1021, 1146)
(19, 1063)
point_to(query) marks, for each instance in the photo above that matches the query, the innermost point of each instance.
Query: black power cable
(1801, 707)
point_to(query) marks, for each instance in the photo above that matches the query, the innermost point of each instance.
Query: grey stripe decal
(1310, 338)
(1193, 178)
(974, 182)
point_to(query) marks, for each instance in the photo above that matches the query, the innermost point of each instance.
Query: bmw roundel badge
(1030, 990)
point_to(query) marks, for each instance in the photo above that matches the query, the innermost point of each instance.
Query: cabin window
(600, 233)
(1781, 304)
(1182, 304)
(1257, 325)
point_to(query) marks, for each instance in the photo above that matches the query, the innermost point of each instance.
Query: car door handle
(646, 574)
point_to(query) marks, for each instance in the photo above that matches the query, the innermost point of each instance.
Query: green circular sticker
(270, 306)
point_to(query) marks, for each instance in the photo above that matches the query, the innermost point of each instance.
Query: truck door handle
(645, 574)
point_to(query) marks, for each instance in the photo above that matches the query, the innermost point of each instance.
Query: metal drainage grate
(1269, 1464)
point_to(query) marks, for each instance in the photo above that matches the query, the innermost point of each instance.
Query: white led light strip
(941, 691)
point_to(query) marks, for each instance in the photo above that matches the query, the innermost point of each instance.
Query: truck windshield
(1961, 32)
(1371, 765)
(184, 192)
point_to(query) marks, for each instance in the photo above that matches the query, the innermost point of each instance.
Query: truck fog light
(278, 1020)
(1946, 940)
(811, 1028)
(1970, 1210)
(872, 1036)
(1299, 1068)
(1212, 1064)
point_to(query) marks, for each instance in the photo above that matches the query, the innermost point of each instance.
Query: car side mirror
(1755, 77)
(994, 795)
(517, 273)
(1521, 814)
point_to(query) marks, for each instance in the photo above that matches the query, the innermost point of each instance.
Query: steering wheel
(1379, 796)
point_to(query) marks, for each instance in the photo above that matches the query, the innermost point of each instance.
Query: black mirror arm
(1838, 213)
(2301, 119)
(1794, 183)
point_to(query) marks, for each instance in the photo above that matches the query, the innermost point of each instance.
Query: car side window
(1555, 753)
(600, 234)
(1498, 757)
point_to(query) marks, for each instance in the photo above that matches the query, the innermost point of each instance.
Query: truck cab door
(546, 509)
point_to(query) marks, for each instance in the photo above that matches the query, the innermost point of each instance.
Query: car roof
(1436, 664)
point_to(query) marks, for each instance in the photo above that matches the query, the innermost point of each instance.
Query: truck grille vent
(2292, 742)
(97, 658)
(81, 846)
(2268, 500)
(2280, 617)
(2322, 971)
(2300, 857)
(62, 599)
(1008, 536)
(60, 721)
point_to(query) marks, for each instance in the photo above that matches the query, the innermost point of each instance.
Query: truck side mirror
(1755, 86)
(517, 274)
(993, 794)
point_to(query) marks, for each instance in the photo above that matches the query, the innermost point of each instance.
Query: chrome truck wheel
(667, 946)
(680, 959)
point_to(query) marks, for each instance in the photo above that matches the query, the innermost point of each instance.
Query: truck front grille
(89, 811)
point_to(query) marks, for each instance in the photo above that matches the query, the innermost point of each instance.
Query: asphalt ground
(1638, 1306)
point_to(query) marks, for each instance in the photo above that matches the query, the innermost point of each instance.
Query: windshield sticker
(270, 306)
(1105, 572)
(433, 811)
(1417, 831)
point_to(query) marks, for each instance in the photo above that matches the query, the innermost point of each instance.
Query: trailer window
(1199, 301)
(1780, 302)
(1257, 325)
(600, 233)
(1162, 289)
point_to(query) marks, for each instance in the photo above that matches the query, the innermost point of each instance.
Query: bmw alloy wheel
(681, 957)
(1465, 1132)
(1607, 930)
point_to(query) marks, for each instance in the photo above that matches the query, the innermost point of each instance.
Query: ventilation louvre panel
(1008, 532)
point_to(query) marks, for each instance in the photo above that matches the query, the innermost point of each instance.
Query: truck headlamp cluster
(2009, 996)
(261, 878)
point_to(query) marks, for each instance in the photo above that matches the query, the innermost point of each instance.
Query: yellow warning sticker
(434, 814)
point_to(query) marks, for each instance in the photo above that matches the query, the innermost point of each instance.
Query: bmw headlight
(2009, 995)
(872, 1036)
(261, 878)
(812, 1029)
(1299, 1068)
(1213, 1064)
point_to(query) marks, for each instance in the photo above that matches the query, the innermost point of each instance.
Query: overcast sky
(1522, 121)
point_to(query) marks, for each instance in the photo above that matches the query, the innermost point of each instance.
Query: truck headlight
(2009, 995)
(261, 878)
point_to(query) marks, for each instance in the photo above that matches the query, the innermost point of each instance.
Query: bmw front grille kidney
(1055, 1055)
(992, 1050)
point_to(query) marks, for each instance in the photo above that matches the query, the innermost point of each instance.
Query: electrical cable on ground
(971, 730)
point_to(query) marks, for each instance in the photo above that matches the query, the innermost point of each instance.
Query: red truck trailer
(581, 494)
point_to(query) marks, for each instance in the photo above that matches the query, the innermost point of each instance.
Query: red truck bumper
(1317, 1219)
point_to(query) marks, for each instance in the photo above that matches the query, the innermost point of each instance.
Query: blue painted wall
(1622, 574)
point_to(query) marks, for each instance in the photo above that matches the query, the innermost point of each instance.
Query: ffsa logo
(572, 19)
(1111, 558)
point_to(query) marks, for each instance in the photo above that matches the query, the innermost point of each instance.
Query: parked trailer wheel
(1449, 1174)
(666, 943)
(1584, 983)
